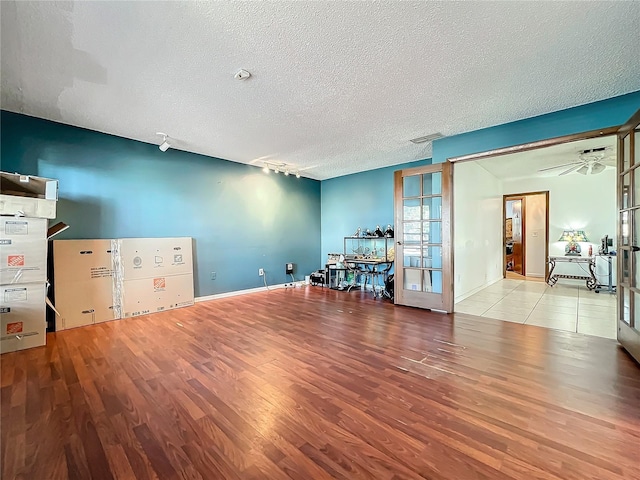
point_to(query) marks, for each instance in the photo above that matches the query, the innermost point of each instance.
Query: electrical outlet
(261, 272)
(288, 268)
(213, 275)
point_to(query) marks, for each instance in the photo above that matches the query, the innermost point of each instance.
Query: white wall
(586, 202)
(535, 227)
(477, 231)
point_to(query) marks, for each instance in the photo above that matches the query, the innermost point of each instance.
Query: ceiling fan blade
(583, 170)
(573, 169)
(560, 166)
(597, 167)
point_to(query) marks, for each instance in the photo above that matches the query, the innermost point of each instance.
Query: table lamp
(572, 237)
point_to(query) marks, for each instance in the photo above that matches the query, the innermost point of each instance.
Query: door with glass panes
(628, 289)
(423, 260)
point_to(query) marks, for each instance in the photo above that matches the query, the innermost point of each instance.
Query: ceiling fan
(591, 161)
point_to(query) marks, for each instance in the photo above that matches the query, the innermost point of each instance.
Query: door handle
(399, 243)
(635, 248)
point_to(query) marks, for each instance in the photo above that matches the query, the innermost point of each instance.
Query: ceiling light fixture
(281, 167)
(165, 145)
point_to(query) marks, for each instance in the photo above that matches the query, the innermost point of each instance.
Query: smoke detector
(242, 75)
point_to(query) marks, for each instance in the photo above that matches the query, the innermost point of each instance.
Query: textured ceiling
(336, 87)
(527, 164)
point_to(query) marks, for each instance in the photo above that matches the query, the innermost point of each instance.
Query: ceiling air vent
(427, 138)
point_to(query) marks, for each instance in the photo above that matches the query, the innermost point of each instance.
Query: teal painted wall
(592, 116)
(111, 187)
(358, 200)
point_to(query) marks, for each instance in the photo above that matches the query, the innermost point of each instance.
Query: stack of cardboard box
(26, 202)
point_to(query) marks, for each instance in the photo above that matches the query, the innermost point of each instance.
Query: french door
(423, 251)
(629, 236)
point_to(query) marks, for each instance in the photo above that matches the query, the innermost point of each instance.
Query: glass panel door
(423, 237)
(628, 280)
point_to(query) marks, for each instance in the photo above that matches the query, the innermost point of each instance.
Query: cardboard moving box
(100, 280)
(23, 250)
(156, 294)
(83, 283)
(153, 257)
(23, 323)
(28, 196)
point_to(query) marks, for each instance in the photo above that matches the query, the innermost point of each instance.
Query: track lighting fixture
(280, 167)
(165, 145)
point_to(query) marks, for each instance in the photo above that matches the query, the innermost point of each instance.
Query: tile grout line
(578, 308)
(534, 307)
(505, 296)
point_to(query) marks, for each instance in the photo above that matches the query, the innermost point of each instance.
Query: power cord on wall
(264, 279)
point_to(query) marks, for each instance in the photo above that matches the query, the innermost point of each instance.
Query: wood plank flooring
(312, 384)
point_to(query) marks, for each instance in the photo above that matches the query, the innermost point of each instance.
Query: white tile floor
(568, 305)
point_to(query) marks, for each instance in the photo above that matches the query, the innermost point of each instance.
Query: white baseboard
(535, 275)
(235, 293)
(475, 290)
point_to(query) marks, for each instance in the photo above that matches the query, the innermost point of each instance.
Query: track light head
(286, 172)
(165, 145)
(297, 174)
(265, 169)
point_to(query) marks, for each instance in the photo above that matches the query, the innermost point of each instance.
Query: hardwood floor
(313, 383)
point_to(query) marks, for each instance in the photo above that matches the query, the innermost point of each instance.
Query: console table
(590, 262)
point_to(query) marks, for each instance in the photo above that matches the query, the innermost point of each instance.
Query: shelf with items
(369, 248)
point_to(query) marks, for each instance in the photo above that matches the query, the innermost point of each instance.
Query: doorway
(526, 235)
(577, 198)
(513, 235)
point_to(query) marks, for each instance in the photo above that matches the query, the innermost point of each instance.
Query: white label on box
(16, 227)
(15, 295)
(101, 272)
